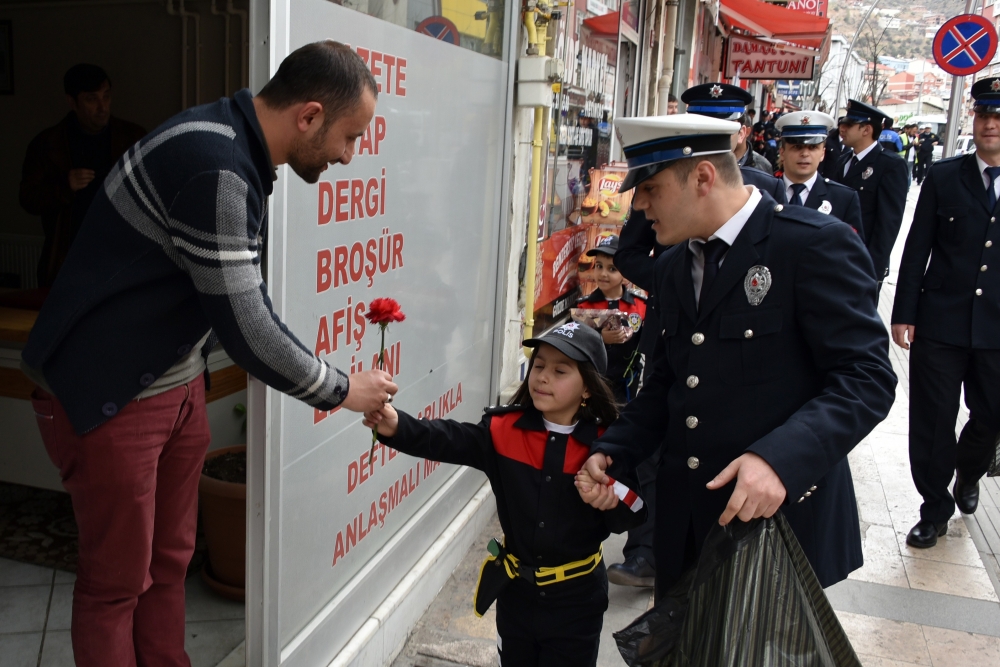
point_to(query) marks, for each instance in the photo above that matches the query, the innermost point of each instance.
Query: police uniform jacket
(844, 202)
(620, 355)
(531, 471)
(881, 184)
(799, 379)
(956, 298)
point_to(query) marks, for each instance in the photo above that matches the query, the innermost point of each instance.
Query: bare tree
(871, 47)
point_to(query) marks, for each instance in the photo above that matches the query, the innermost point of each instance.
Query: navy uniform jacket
(953, 225)
(637, 237)
(883, 196)
(799, 379)
(844, 202)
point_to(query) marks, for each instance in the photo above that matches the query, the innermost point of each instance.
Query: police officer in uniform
(721, 100)
(878, 176)
(949, 312)
(803, 135)
(771, 363)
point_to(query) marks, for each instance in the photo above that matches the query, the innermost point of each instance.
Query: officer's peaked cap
(859, 112)
(805, 127)
(652, 143)
(986, 95)
(718, 100)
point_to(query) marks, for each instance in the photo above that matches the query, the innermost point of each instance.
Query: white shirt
(986, 179)
(789, 193)
(558, 428)
(860, 156)
(728, 233)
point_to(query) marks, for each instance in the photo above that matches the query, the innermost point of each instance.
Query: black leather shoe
(635, 571)
(924, 535)
(966, 495)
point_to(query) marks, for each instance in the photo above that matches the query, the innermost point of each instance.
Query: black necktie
(853, 164)
(713, 251)
(797, 190)
(992, 173)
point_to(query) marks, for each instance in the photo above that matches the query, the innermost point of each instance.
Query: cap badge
(603, 241)
(867, 173)
(567, 329)
(757, 283)
(995, 86)
(715, 91)
(825, 207)
(805, 120)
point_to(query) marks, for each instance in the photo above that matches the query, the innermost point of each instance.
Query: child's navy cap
(578, 342)
(606, 245)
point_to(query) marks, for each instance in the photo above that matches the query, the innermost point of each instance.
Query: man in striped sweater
(167, 262)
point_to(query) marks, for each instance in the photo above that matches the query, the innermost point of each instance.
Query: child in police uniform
(547, 574)
(621, 338)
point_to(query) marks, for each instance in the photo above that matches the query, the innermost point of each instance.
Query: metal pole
(955, 105)
(850, 50)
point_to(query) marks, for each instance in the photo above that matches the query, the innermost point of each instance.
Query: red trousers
(134, 485)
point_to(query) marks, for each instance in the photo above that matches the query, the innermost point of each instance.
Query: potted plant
(222, 495)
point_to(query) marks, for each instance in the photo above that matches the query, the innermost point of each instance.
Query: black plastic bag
(751, 601)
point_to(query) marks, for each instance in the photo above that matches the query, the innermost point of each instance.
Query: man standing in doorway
(954, 302)
(878, 176)
(65, 165)
(166, 263)
(808, 319)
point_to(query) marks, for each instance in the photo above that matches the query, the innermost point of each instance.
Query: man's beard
(307, 159)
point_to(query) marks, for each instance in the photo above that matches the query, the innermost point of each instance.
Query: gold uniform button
(692, 422)
(982, 268)
(989, 244)
(693, 462)
(692, 381)
(748, 333)
(812, 488)
(993, 219)
(698, 338)
(952, 220)
(979, 292)
(779, 208)
(807, 494)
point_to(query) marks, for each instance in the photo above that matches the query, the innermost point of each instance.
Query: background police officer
(954, 303)
(879, 177)
(771, 364)
(803, 137)
(721, 100)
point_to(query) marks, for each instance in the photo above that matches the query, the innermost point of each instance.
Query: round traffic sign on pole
(440, 28)
(965, 44)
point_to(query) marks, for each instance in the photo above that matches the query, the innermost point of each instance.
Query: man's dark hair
(84, 78)
(327, 72)
(671, 97)
(887, 124)
(725, 165)
(746, 120)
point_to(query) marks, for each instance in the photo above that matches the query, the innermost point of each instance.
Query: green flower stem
(381, 366)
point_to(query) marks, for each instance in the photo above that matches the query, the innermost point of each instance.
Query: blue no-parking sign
(440, 28)
(965, 44)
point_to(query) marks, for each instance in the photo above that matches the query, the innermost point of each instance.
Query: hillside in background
(900, 28)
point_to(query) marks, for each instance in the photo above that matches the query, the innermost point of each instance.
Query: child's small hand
(598, 496)
(385, 419)
(613, 336)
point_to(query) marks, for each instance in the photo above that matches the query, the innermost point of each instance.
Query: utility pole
(955, 105)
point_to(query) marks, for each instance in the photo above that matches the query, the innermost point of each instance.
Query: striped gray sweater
(171, 248)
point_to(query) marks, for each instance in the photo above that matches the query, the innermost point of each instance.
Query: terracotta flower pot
(223, 516)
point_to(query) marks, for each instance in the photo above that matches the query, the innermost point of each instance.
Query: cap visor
(603, 250)
(561, 344)
(809, 141)
(636, 176)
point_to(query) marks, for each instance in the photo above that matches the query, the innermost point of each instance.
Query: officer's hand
(902, 332)
(595, 467)
(80, 178)
(369, 391)
(758, 493)
(385, 418)
(613, 336)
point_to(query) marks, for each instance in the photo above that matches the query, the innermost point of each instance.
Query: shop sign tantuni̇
(756, 59)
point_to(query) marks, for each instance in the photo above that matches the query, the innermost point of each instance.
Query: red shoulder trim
(527, 447)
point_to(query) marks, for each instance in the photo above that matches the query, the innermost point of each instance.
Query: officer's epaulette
(803, 214)
(636, 295)
(834, 185)
(502, 409)
(953, 158)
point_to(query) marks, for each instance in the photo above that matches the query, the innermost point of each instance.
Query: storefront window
(582, 201)
(477, 25)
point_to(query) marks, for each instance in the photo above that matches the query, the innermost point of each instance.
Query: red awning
(766, 20)
(604, 25)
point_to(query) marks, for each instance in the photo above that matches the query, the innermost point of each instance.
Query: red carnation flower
(382, 311)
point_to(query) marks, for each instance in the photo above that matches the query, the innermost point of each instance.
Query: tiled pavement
(35, 607)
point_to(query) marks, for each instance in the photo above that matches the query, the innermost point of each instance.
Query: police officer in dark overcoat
(802, 135)
(771, 364)
(878, 176)
(948, 313)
